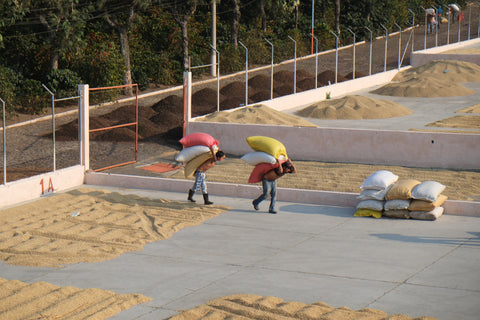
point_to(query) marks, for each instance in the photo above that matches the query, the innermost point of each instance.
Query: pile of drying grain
(354, 107)
(249, 306)
(256, 114)
(437, 78)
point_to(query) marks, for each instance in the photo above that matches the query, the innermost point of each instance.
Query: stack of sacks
(398, 198)
(197, 148)
(411, 198)
(384, 194)
(264, 157)
(427, 201)
(372, 197)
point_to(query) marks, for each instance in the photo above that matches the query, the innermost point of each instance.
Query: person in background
(453, 10)
(439, 15)
(200, 177)
(269, 184)
(430, 22)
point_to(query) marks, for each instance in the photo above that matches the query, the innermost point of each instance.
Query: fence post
(459, 23)
(370, 56)
(4, 145)
(425, 32)
(271, 70)
(447, 9)
(316, 59)
(336, 55)
(53, 125)
(469, 16)
(353, 54)
(386, 46)
(84, 125)
(294, 64)
(246, 72)
(399, 43)
(413, 27)
(218, 78)
(436, 26)
(187, 100)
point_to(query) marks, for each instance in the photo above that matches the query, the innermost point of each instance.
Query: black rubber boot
(190, 195)
(205, 198)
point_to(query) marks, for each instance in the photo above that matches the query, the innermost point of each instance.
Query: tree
(235, 22)
(120, 15)
(64, 22)
(337, 16)
(263, 15)
(10, 12)
(182, 11)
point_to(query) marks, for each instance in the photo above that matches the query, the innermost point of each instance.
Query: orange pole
(121, 125)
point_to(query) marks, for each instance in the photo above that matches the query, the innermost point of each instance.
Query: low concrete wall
(308, 97)
(328, 198)
(403, 148)
(419, 58)
(16, 192)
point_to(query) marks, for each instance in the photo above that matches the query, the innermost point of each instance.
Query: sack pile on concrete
(384, 194)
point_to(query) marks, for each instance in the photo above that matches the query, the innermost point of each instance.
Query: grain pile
(257, 114)
(354, 107)
(42, 300)
(248, 306)
(437, 78)
(86, 225)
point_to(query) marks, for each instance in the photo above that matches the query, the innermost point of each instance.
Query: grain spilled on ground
(248, 306)
(86, 225)
(41, 300)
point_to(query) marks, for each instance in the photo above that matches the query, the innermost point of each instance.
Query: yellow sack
(368, 213)
(268, 145)
(196, 162)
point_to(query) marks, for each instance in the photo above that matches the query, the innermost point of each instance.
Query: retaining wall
(16, 192)
(421, 57)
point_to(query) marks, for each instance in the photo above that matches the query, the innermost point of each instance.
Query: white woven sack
(376, 205)
(255, 157)
(379, 180)
(372, 194)
(427, 215)
(396, 204)
(428, 191)
(189, 153)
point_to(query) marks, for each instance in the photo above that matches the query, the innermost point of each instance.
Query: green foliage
(31, 97)
(100, 63)
(231, 59)
(9, 80)
(259, 51)
(167, 71)
(63, 82)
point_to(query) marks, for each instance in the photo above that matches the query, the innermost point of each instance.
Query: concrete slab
(306, 252)
(425, 111)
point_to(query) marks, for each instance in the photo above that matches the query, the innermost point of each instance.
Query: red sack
(199, 139)
(461, 16)
(260, 169)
